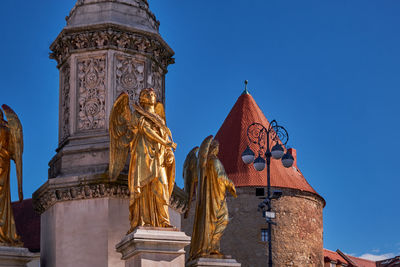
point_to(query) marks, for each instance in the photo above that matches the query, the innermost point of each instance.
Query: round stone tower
(297, 238)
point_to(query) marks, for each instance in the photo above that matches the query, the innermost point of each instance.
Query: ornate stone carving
(179, 199)
(91, 93)
(78, 191)
(48, 195)
(65, 103)
(129, 74)
(155, 79)
(110, 37)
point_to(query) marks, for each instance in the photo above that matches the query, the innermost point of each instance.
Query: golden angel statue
(146, 137)
(11, 148)
(211, 216)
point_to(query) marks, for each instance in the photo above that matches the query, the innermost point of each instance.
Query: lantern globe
(248, 155)
(277, 151)
(287, 160)
(259, 164)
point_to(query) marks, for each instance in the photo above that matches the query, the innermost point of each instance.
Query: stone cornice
(98, 186)
(76, 188)
(111, 36)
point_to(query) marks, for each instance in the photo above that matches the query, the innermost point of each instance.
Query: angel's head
(147, 97)
(214, 148)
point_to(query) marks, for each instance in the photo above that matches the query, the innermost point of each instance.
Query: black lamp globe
(287, 160)
(277, 151)
(259, 164)
(248, 155)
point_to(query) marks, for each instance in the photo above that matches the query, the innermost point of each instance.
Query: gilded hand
(172, 145)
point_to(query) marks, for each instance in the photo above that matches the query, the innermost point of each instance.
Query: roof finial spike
(245, 92)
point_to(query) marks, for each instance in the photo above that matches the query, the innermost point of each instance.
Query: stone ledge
(89, 187)
(16, 256)
(159, 241)
(210, 262)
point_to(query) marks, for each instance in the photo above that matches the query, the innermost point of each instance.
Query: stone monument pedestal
(15, 256)
(226, 261)
(154, 246)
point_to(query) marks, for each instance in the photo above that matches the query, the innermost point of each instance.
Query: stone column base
(153, 246)
(15, 256)
(227, 261)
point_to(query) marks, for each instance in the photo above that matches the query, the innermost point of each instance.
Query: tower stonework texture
(108, 47)
(297, 239)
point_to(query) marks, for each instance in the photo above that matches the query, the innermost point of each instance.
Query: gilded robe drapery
(151, 178)
(211, 217)
(8, 232)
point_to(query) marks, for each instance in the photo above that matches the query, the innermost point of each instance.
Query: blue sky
(326, 70)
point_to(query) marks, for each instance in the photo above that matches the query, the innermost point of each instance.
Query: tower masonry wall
(296, 239)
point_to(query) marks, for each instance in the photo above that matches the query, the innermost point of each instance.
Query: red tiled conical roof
(232, 137)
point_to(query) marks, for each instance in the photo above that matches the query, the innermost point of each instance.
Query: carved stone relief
(49, 195)
(111, 38)
(91, 93)
(129, 76)
(155, 80)
(65, 103)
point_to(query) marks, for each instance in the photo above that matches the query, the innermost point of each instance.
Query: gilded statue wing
(190, 175)
(120, 135)
(203, 152)
(202, 164)
(159, 109)
(16, 143)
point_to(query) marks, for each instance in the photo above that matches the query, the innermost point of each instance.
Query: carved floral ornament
(91, 93)
(65, 105)
(72, 42)
(130, 76)
(156, 78)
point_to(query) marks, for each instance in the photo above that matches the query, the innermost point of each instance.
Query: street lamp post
(261, 137)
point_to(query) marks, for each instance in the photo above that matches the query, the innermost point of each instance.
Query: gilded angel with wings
(211, 215)
(146, 137)
(11, 148)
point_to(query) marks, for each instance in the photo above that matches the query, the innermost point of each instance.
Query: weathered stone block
(16, 256)
(213, 262)
(152, 246)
